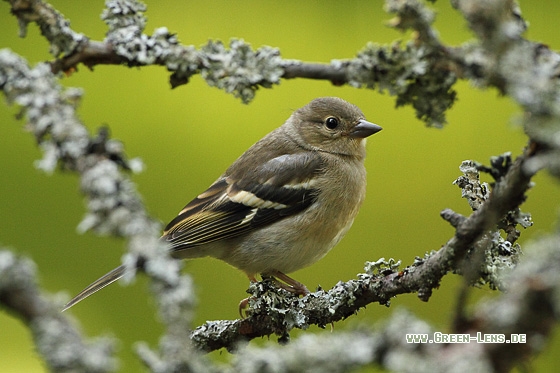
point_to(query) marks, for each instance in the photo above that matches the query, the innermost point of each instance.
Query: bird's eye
(331, 123)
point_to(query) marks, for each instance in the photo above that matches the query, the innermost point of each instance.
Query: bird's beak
(364, 129)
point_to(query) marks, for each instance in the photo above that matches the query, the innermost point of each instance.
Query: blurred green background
(188, 136)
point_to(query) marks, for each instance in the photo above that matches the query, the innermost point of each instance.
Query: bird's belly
(272, 249)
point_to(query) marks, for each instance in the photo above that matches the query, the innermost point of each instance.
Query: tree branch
(415, 73)
(113, 205)
(274, 311)
(529, 307)
(55, 336)
(421, 74)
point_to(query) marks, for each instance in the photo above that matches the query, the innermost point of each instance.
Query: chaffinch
(283, 204)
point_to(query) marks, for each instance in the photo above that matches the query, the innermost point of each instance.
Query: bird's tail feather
(97, 285)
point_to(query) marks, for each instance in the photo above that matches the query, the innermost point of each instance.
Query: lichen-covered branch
(530, 307)
(55, 336)
(273, 311)
(54, 27)
(416, 74)
(113, 204)
(526, 71)
(421, 73)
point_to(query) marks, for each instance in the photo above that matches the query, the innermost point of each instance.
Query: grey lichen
(126, 23)
(495, 22)
(114, 207)
(408, 73)
(381, 266)
(49, 110)
(531, 304)
(283, 309)
(472, 189)
(501, 257)
(119, 14)
(414, 73)
(549, 159)
(342, 352)
(415, 15)
(497, 255)
(535, 85)
(176, 300)
(524, 70)
(177, 358)
(56, 338)
(239, 69)
(349, 350)
(54, 27)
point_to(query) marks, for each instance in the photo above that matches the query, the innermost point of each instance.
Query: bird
(283, 204)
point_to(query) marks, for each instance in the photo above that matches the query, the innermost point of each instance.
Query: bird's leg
(289, 283)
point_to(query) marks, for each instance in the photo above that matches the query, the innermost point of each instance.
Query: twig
(57, 339)
(525, 315)
(272, 313)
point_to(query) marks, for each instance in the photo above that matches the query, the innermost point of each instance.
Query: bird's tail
(97, 285)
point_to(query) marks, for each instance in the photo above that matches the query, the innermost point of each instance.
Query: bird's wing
(245, 200)
(238, 202)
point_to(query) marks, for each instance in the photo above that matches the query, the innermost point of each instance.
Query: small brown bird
(283, 204)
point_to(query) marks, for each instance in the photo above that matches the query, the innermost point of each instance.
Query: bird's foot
(289, 284)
